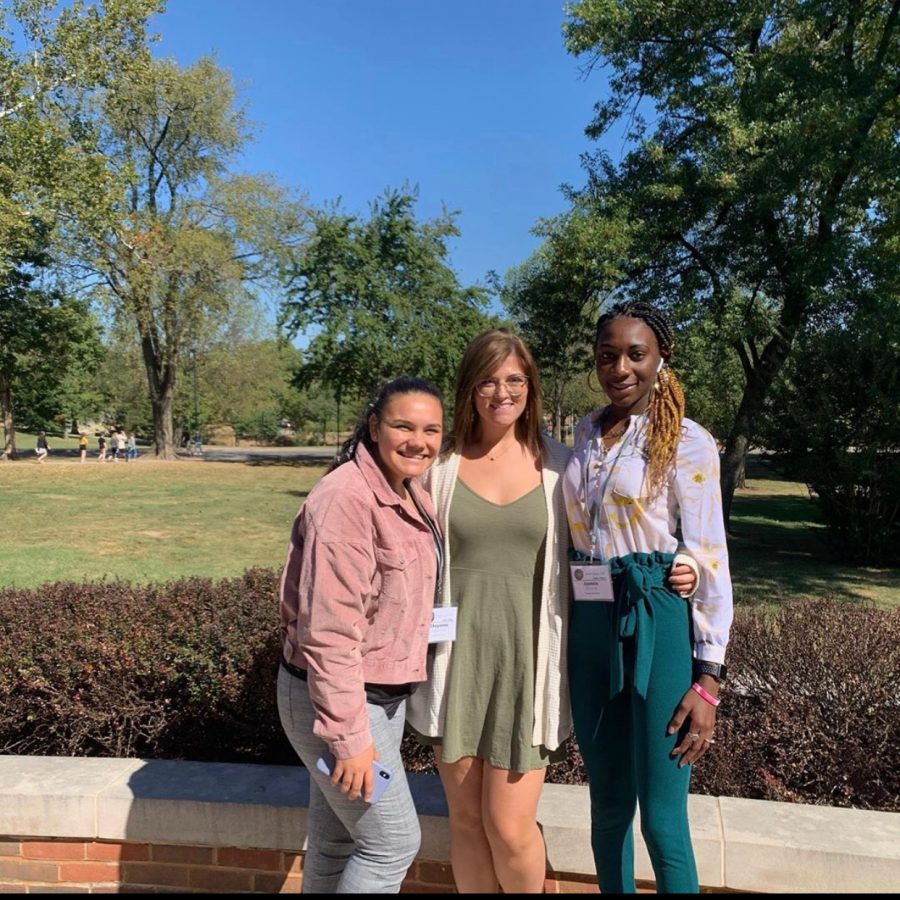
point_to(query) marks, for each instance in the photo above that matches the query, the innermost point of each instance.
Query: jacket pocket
(393, 566)
(390, 635)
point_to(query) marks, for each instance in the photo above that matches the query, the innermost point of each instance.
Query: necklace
(616, 433)
(497, 455)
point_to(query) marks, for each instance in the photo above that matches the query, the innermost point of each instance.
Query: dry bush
(187, 669)
(184, 669)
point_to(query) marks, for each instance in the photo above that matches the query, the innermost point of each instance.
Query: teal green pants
(629, 666)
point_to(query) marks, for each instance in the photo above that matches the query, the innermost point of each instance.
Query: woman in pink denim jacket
(357, 596)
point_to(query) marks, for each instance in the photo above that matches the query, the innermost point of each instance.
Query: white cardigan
(552, 713)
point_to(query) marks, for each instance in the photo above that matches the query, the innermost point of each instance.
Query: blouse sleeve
(699, 500)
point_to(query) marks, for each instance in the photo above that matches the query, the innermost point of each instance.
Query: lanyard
(594, 510)
(438, 543)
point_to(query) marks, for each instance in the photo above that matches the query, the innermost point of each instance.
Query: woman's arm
(699, 501)
(335, 584)
(703, 532)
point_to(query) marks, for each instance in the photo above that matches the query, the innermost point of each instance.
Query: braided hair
(667, 398)
(404, 384)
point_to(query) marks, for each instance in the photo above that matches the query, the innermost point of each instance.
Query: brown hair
(666, 398)
(483, 355)
(404, 384)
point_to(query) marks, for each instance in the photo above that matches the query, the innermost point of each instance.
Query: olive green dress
(496, 569)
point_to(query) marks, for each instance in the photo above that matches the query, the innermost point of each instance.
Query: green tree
(554, 299)
(761, 176)
(52, 58)
(181, 240)
(712, 377)
(240, 381)
(834, 422)
(116, 389)
(44, 335)
(380, 298)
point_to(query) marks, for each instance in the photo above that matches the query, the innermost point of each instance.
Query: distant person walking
(114, 445)
(101, 448)
(83, 446)
(132, 447)
(41, 449)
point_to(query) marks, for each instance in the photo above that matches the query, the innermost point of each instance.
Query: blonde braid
(664, 428)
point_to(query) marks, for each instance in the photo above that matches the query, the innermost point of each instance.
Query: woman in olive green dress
(496, 704)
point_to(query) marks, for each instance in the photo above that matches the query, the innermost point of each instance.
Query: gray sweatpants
(353, 847)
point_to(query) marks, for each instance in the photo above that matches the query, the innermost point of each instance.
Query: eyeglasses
(515, 386)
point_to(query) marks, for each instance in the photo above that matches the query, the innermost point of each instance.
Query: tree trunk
(760, 376)
(9, 428)
(161, 379)
(163, 428)
(733, 467)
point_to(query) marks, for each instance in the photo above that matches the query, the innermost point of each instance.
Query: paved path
(262, 454)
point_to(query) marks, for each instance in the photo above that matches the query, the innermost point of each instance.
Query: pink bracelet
(705, 694)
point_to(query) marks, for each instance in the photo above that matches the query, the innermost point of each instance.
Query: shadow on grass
(778, 551)
(299, 462)
(777, 509)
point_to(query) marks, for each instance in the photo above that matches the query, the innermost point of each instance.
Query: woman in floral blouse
(644, 664)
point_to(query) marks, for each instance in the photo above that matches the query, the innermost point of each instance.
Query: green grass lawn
(145, 520)
(778, 549)
(153, 521)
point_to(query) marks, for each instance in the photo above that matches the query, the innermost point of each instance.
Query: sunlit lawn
(144, 520)
(778, 549)
(153, 521)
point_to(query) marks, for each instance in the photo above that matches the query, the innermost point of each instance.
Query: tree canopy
(380, 299)
(181, 238)
(760, 183)
(52, 59)
(45, 335)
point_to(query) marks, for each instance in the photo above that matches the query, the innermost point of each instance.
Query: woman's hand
(700, 718)
(683, 579)
(354, 774)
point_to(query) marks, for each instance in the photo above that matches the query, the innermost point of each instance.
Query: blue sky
(475, 102)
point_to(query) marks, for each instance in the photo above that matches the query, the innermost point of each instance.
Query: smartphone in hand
(383, 776)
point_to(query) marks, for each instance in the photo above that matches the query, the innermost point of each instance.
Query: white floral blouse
(629, 521)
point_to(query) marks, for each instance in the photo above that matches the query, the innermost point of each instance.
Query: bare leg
(509, 809)
(470, 851)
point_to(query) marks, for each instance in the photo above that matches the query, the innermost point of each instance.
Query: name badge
(591, 581)
(443, 624)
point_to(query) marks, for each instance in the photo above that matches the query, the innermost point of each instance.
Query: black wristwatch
(717, 670)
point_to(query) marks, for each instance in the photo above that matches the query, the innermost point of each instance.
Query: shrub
(186, 670)
(813, 711)
(179, 670)
(810, 712)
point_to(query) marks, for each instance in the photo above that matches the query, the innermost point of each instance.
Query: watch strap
(716, 670)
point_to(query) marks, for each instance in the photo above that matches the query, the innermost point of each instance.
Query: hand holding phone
(381, 776)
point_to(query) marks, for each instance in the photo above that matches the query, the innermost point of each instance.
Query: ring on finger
(692, 736)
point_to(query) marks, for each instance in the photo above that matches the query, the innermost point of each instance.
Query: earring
(593, 390)
(662, 379)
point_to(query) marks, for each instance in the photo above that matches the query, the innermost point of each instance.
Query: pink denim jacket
(357, 594)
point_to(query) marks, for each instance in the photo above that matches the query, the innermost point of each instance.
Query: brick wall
(31, 865)
(41, 866)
